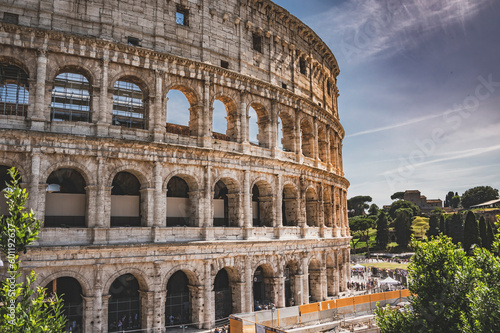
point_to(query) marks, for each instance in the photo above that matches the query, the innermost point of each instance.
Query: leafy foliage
(455, 292)
(360, 227)
(478, 195)
(403, 204)
(402, 224)
(25, 309)
(433, 226)
(471, 232)
(382, 230)
(358, 204)
(398, 196)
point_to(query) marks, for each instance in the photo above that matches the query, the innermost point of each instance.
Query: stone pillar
(102, 111)
(279, 290)
(299, 288)
(305, 281)
(243, 130)
(158, 112)
(159, 197)
(206, 122)
(91, 205)
(315, 141)
(103, 312)
(298, 136)
(197, 209)
(88, 322)
(279, 203)
(197, 304)
(147, 197)
(34, 195)
(324, 285)
(42, 194)
(208, 219)
(336, 278)
(247, 300)
(209, 297)
(247, 204)
(146, 301)
(38, 116)
(160, 298)
(100, 205)
(273, 136)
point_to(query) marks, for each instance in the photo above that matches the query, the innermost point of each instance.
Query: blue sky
(419, 91)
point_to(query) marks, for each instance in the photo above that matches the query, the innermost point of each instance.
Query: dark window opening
(257, 43)
(181, 16)
(71, 98)
(129, 105)
(14, 90)
(178, 301)
(329, 88)
(302, 66)
(224, 64)
(124, 308)
(284, 86)
(133, 41)
(11, 18)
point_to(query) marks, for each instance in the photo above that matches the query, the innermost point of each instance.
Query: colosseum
(184, 155)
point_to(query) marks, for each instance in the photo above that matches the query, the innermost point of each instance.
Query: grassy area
(386, 265)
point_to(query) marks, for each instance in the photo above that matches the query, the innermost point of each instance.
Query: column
(88, 320)
(209, 297)
(147, 197)
(103, 117)
(103, 313)
(91, 201)
(279, 291)
(274, 126)
(158, 112)
(146, 301)
(34, 196)
(279, 201)
(324, 284)
(305, 281)
(197, 299)
(315, 141)
(206, 122)
(38, 115)
(244, 119)
(247, 204)
(247, 305)
(159, 197)
(159, 310)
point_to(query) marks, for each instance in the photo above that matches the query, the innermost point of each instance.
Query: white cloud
(382, 28)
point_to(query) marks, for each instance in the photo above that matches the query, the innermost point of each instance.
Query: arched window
(315, 281)
(262, 287)
(322, 145)
(65, 201)
(219, 122)
(262, 204)
(307, 138)
(223, 295)
(286, 137)
(178, 302)
(311, 208)
(70, 98)
(221, 205)
(330, 277)
(14, 94)
(290, 272)
(256, 206)
(124, 308)
(129, 105)
(253, 126)
(125, 201)
(178, 203)
(70, 290)
(178, 113)
(289, 206)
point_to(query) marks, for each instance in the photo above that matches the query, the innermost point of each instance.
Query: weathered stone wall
(89, 38)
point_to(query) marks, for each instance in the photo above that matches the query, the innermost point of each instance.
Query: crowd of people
(222, 329)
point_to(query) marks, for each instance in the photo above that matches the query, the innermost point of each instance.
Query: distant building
(489, 204)
(421, 201)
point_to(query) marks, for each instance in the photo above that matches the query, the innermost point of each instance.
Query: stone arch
(262, 203)
(232, 118)
(227, 204)
(140, 275)
(9, 163)
(331, 276)
(263, 287)
(315, 281)
(86, 285)
(130, 108)
(77, 67)
(263, 122)
(311, 196)
(145, 82)
(322, 144)
(136, 170)
(86, 174)
(225, 292)
(328, 207)
(188, 91)
(307, 138)
(290, 204)
(191, 271)
(17, 62)
(189, 177)
(288, 131)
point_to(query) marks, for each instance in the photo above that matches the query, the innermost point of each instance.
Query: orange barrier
(327, 305)
(309, 308)
(362, 299)
(377, 297)
(405, 293)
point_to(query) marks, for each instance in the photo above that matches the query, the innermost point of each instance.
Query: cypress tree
(442, 227)
(471, 232)
(433, 226)
(455, 228)
(483, 232)
(382, 230)
(489, 236)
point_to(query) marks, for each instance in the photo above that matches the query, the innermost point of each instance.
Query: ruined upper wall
(222, 33)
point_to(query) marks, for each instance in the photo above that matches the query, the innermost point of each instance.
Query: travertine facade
(149, 223)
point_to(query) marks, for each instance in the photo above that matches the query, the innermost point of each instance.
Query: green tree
(403, 204)
(478, 195)
(456, 228)
(447, 200)
(483, 232)
(373, 210)
(433, 226)
(360, 228)
(398, 196)
(455, 201)
(25, 308)
(358, 204)
(442, 224)
(382, 230)
(489, 236)
(402, 224)
(471, 232)
(456, 292)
